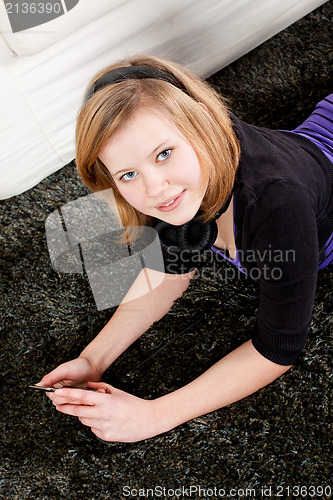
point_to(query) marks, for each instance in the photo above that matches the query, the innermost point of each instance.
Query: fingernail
(59, 392)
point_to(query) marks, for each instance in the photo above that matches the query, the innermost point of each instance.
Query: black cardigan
(283, 200)
(283, 215)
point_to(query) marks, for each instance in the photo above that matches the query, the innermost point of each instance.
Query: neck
(225, 239)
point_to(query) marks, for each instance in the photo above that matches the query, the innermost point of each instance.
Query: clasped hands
(112, 414)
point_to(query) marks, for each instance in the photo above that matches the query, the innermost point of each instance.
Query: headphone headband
(132, 73)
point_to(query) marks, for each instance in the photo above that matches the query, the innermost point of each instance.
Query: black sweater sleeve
(283, 230)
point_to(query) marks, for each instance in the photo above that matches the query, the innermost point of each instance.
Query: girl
(179, 161)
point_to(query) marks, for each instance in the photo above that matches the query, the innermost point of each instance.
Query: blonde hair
(199, 113)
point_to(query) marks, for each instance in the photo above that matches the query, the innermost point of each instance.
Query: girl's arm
(239, 374)
(119, 416)
(148, 300)
(151, 296)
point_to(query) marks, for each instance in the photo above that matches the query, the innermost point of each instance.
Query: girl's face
(155, 168)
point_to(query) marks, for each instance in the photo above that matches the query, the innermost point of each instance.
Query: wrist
(166, 415)
(95, 367)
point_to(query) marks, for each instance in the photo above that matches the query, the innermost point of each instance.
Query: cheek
(131, 195)
(191, 170)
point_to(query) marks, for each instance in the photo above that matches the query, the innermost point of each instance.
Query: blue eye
(164, 155)
(127, 177)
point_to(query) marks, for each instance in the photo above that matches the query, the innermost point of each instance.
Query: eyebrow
(152, 153)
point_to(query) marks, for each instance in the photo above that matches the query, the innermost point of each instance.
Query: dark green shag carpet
(277, 439)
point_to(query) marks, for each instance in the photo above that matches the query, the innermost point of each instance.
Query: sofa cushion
(48, 86)
(58, 19)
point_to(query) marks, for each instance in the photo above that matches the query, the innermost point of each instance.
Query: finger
(62, 400)
(89, 422)
(57, 401)
(99, 434)
(78, 411)
(80, 396)
(101, 387)
(53, 378)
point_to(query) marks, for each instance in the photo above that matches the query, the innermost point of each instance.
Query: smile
(171, 203)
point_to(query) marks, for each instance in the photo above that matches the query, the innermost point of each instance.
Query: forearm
(115, 415)
(138, 311)
(239, 374)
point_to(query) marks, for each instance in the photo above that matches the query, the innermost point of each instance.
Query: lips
(171, 203)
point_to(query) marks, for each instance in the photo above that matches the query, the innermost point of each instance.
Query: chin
(183, 221)
(179, 219)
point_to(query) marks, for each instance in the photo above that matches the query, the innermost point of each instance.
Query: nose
(155, 183)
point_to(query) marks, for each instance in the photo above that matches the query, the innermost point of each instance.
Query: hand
(112, 414)
(73, 373)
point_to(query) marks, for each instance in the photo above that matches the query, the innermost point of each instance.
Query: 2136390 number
(33, 8)
(304, 491)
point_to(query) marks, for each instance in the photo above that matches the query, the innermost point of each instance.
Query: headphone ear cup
(167, 234)
(194, 235)
(197, 235)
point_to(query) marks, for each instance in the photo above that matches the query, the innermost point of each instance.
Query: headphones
(191, 236)
(194, 235)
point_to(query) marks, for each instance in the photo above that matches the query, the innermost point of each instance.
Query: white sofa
(45, 69)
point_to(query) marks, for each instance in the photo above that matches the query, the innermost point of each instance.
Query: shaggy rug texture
(267, 446)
